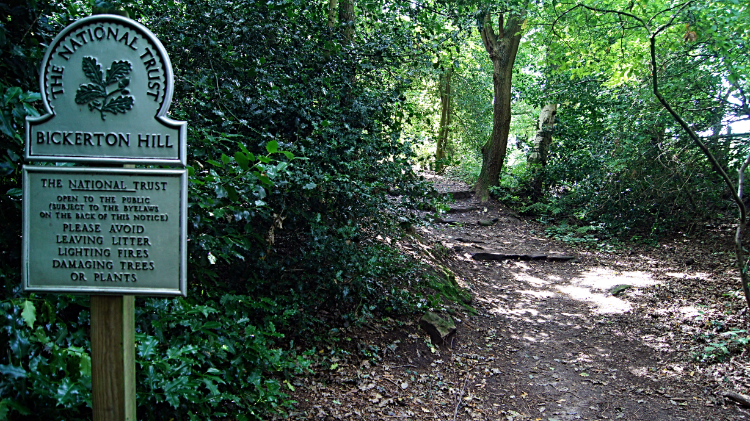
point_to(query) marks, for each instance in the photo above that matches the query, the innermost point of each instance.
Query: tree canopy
(308, 122)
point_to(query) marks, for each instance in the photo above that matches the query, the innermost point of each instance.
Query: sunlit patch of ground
(603, 278)
(683, 275)
(499, 310)
(593, 286)
(538, 294)
(524, 277)
(690, 312)
(604, 304)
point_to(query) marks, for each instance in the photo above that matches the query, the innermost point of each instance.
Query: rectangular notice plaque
(105, 231)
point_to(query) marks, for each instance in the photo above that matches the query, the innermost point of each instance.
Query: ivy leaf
(29, 313)
(88, 93)
(121, 104)
(92, 70)
(117, 71)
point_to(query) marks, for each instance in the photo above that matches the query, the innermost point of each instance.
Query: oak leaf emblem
(97, 94)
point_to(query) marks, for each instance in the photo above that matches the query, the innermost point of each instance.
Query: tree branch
(696, 139)
(489, 39)
(671, 20)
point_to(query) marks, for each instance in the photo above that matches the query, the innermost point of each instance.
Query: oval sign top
(106, 84)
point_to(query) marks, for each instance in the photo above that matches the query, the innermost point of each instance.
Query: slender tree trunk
(332, 9)
(721, 146)
(540, 149)
(346, 18)
(543, 138)
(742, 263)
(445, 120)
(502, 49)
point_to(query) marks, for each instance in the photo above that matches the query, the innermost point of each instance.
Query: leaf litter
(550, 341)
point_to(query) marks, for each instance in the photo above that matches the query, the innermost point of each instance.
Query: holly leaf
(28, 314)
(121, 104)
(89, 92)
(117, 71)
(92, 69)
(16, 372)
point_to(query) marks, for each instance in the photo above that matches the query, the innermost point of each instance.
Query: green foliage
(573, 235)
(722, 346)
(208, 360)
(199, 358)
(617, 157)
(295, 144)
(47, 369)
(250, 89)
(617, 161)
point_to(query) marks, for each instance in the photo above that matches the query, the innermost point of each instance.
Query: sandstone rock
(438, 327)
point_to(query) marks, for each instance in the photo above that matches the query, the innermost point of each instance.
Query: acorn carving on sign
(96, 94)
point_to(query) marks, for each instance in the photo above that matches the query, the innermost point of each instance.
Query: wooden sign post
(112, 233)
(113, 357)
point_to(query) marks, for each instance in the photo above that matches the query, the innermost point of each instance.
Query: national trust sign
(106, 84)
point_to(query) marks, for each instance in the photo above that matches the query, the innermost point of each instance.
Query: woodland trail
(550, 341)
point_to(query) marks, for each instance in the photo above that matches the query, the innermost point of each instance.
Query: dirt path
(550, 341)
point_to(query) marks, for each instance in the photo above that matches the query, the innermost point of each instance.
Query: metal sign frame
(180, 287)
(179, 158)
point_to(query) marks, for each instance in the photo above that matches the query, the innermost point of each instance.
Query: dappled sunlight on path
(594, 286)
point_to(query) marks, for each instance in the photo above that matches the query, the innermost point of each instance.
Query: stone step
(459, 195)
(462, 209)
(522, 256)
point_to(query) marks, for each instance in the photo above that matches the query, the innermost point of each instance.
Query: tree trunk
(502, 49)
(543, 137)
(346, 17)
(332, 8)
(540, 149)
(445, 120)
(742, 263)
